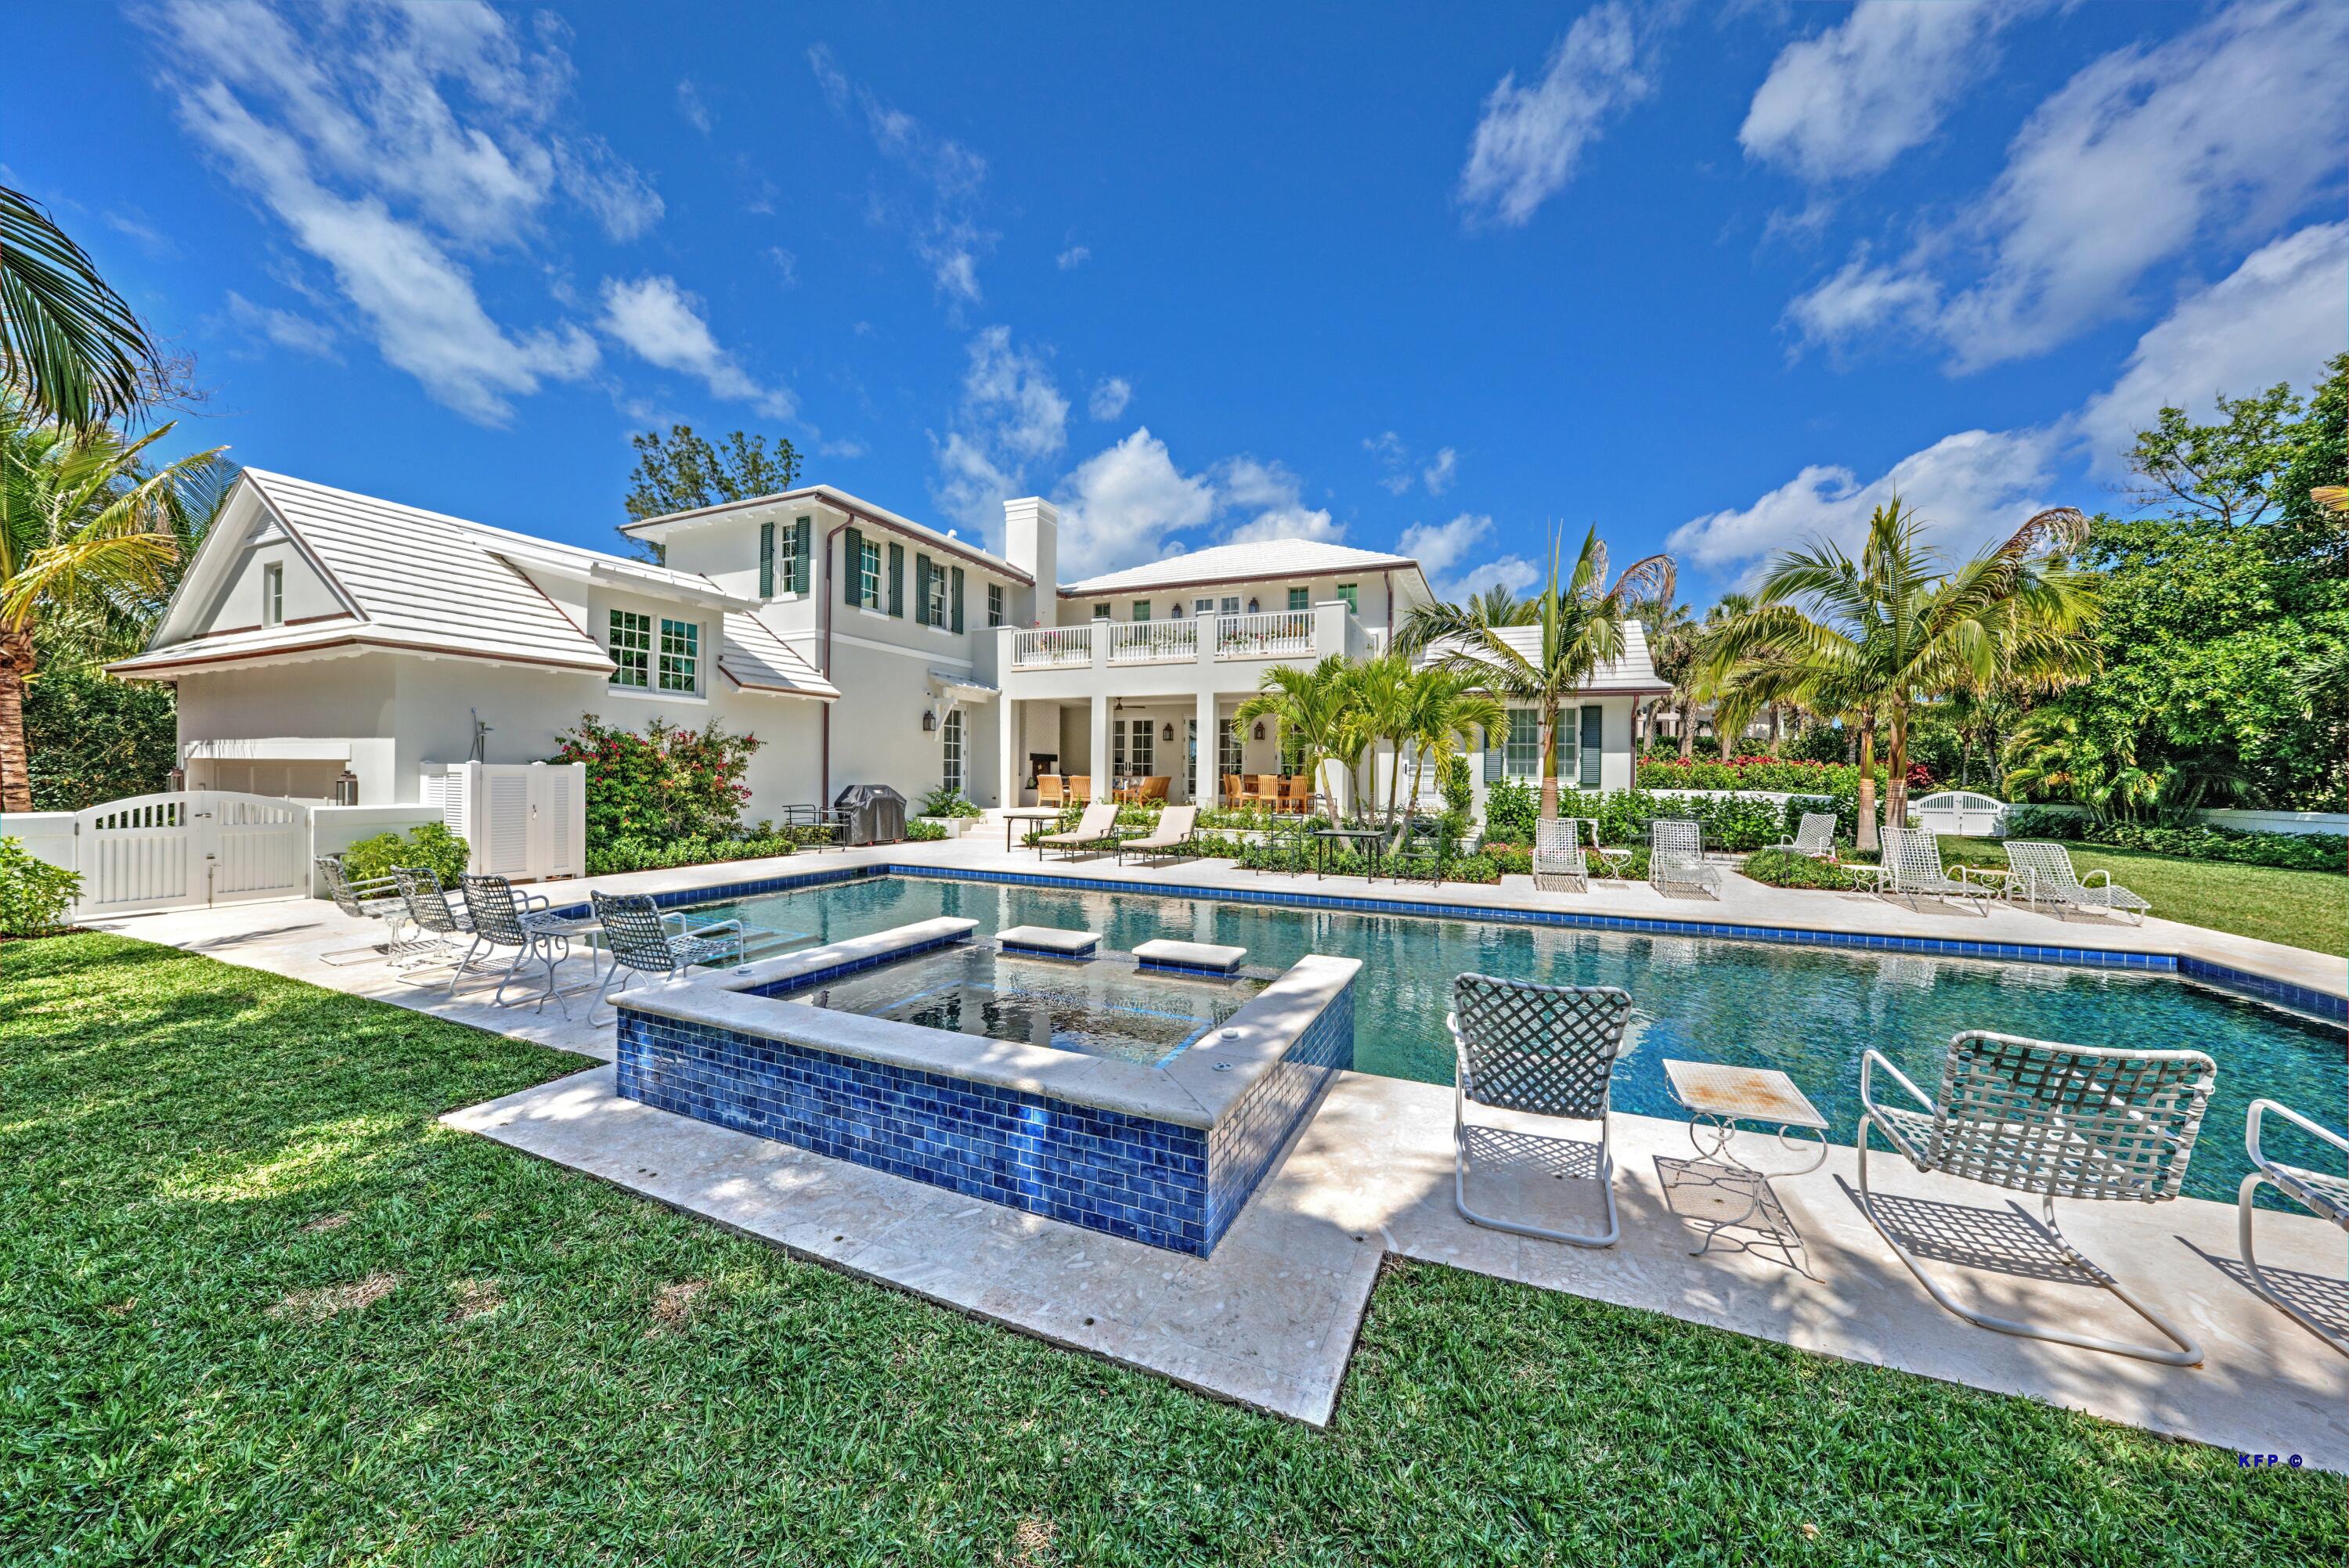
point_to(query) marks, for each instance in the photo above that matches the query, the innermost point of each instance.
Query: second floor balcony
(1213, 643)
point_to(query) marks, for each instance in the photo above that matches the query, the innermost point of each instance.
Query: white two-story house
(321, 636)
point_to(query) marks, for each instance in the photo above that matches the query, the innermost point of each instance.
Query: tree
(683, 472)
(1446, 710)
(70, 348)
(1870, 639)
(89, 539)
(1671, 648)
(1313, 707)
(1578, 624)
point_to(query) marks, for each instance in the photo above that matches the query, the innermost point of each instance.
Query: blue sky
(1714, 279)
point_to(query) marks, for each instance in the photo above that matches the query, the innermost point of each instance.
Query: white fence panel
(203, 847)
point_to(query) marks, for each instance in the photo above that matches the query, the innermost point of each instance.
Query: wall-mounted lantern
(929, 721)
(1259, 729)
(346, 788)
(1168, 733)
(176, 781)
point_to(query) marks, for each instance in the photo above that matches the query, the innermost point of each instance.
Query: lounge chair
(1559, 860)
(2063, 1121)
(1676, 857)
(2324, 1193)
(1815, 837)
(1096, 830)
(1544, 1050)
(501, 918)
(1912, 869)
(2035, 871)
(641, 941)
(1173, 832)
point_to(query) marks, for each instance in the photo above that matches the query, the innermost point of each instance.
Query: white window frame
(679, 664)
(938, 596)
(1230, 756)
(995, 604)
(1141, 610)
(1300, 598)
(950, 758)
(1521, 747)
(631, 647)
(868, 575)
(1351, 593)
(273, 593)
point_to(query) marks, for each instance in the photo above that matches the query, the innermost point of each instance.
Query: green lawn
(258, 1306)
(2304, 909)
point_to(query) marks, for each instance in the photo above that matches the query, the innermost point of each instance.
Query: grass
(257, 1306)
(2300, 909)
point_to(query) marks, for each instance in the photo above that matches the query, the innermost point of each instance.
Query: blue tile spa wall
(1148, 1180)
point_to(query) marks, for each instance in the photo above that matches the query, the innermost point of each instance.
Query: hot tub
(1144, 1105)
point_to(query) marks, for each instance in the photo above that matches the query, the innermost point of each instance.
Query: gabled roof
(1242, 563)
(1630, 673)
(840, 500)
(410, 580)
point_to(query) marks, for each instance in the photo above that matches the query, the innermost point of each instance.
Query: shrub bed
(646, 855)
(1785, 868)
(34, 894)
(429, 844)
(2201, 841)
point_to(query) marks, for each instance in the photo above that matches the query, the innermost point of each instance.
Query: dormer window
(273, 594)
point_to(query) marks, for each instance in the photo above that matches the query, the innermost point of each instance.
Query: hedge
(2290, 852)
(1773, 773)
(646, 855)
(1785, 868)
(1731, 822)
(34, 894)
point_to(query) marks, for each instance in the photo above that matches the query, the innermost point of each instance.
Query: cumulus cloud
(1273, 502)
(951, 179)
(665, 325)
(284, 328)
(1125, 505)
(1850, 100)
(1110, 395)
(1454, 555)
(1075, 256)
(2226, 132)
(1012, 418)
(1530, 139)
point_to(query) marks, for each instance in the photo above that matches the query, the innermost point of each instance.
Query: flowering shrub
(669, 782)
(1510, 807)
(34, 894)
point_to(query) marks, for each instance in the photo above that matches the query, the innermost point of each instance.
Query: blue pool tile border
(2300, 998)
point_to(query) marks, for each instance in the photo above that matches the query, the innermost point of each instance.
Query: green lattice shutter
(1593, 726)
(897, 578)
(767, 559)
(802, 542)
(922, 569)
(852, 566)
(953, 597)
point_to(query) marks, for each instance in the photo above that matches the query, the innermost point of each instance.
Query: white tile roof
(1632, 671)
(1241, 562)
(428, 582)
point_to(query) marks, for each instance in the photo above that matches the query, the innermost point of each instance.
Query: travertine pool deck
(1270, 1319)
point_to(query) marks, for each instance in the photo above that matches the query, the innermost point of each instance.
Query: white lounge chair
(1096, 830)
(1815, 838)
(1912, 869)
(1559, 862)
(1545, 1051)
(2035, 870)
(2324, 1193)
(2068, 1121)
(1173, 832)
(1676, 857)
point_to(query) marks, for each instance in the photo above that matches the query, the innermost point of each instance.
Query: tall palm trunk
(1549, 762)
(1896, 769)
(1868, 838)
(1686, 713)
(1774, 729)
(15, 753)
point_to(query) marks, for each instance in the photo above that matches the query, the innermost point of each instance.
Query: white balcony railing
(1053, 647)
(1273, 635)
(1154, 642)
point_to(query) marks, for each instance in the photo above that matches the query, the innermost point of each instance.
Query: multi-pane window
(680, 656)
(1351, 594)
(1133, 746)
(938, 595)
(994, 603)
(794, 564)
(1227, 745)
(632, 649)
(273, 594)
(1232, 606)
(1203, 606)
(868, 579)
(1141, 609)
(1300, 598)
(1101, 611)
(950, 746)
(1521, 752)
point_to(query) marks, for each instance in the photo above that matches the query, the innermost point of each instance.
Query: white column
(1104, 783)
(1007, 762)
(1207, 786)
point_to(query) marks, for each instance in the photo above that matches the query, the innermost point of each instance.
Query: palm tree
(1672, 646)
(89, 539)
(1495, 606)
(1313, 706)
(1446, 709)
(1576, 625)
(69, 346)
(1378, 696)
(1870, 639)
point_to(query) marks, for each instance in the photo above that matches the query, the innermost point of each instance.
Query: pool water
(1102, 1007)
(1807, 1011)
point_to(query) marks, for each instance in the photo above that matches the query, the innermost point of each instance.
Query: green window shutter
(922, 569)
(953, 597)
(852, 566)
(1493, 761)
(1593, 718)
(802, 542)
(766, 560)
(897, 578)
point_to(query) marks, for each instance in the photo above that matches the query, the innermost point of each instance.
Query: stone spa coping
(1192, 1090)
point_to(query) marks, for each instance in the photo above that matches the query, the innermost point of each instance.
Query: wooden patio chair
(1052, 789)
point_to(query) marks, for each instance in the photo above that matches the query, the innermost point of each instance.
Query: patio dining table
(1370, 838)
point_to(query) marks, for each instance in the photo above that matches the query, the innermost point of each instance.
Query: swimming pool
(1807, 1010)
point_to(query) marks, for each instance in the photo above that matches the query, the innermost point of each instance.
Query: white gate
(203, 847)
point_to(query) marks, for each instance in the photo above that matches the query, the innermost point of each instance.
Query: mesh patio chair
(2324, 1193)
(372, 898)
(2063, 1121)
(1912, 869)
(1424, 844)
(502, 918)
(2035, 871)
(439, 927)
(639, 940)
(1545, 1051)
(1815, 837)
(1559, 862)
(1676, 857)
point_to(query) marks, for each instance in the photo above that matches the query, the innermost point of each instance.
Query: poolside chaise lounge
(1676, 857)
(1912, 869)
(1173, 831)
(2062, 1121)
(1815, 837)
(1559, 860)
(2324, 1193)
(1096, 830)
(1542, 1050)
(2037, 870)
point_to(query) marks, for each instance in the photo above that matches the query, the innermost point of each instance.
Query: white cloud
(1852, 100)
(1274, 500)
(2277, 318)
(664, 325)
(1123, 505)
(2222, 134)
(1011, 417)
(612, 191)
(283, 327)
(844, 449)
(1109, 397)
(1529, 138)
(946, 237)
(1438, 475)
(785, 263)
(689, 105)
(143, 231)
(1444, 551)
(1393, 456)
(1073, 257)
